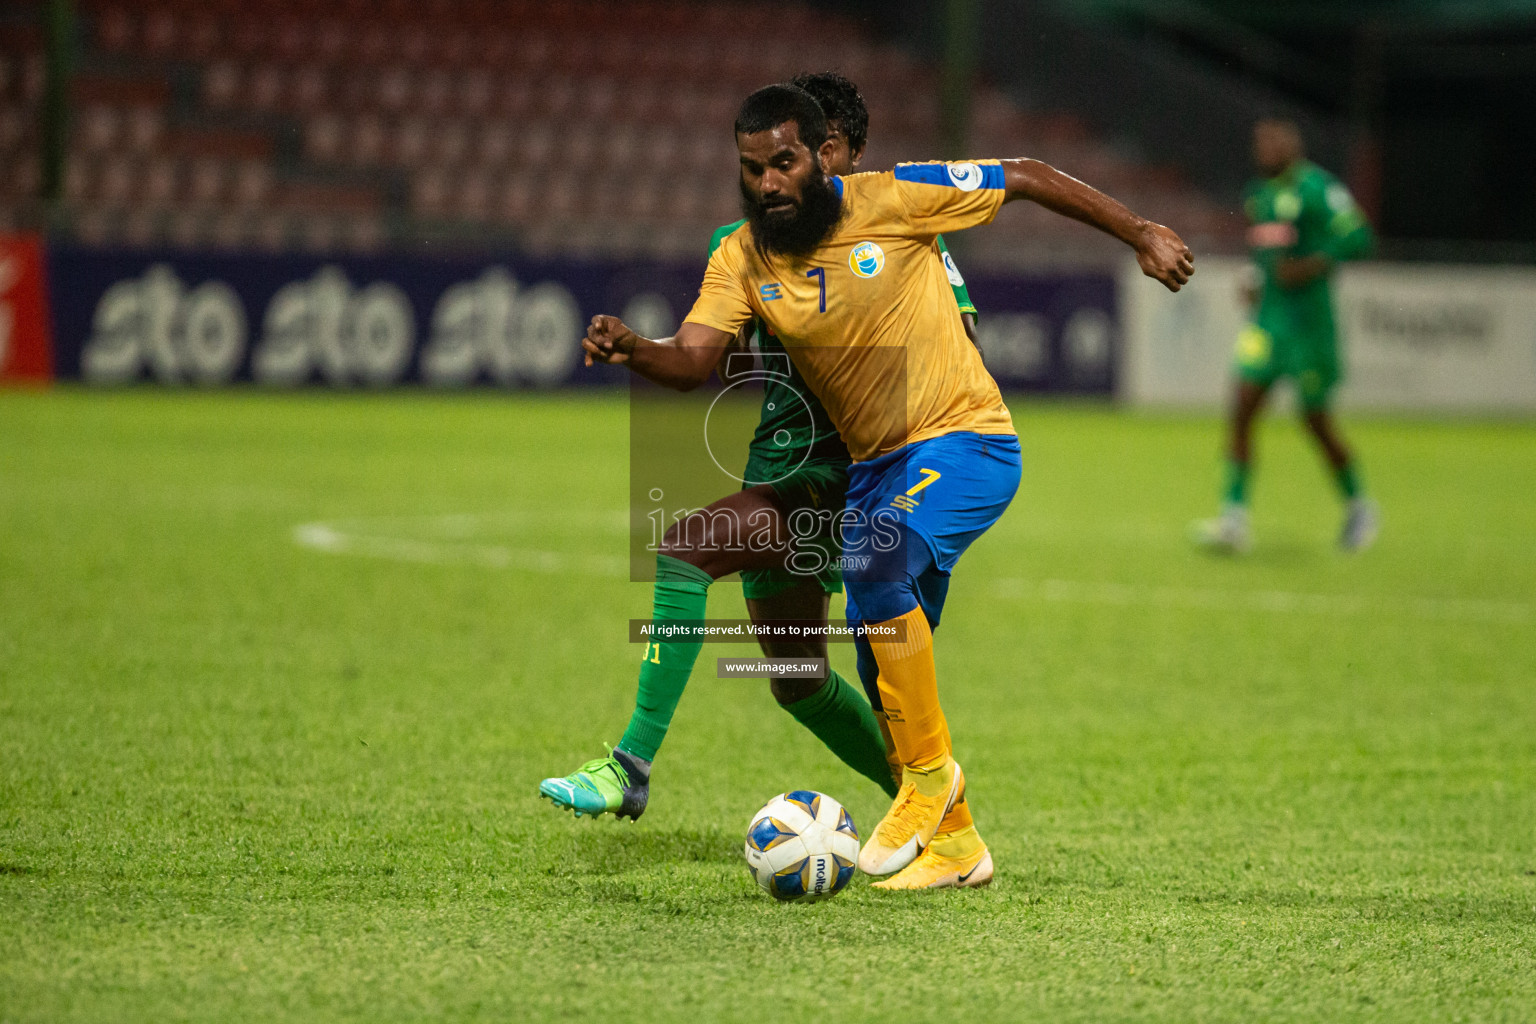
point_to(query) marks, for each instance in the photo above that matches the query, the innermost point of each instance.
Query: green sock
(680, 596)
(1236, 492)
(1348, 480)
(840, 717)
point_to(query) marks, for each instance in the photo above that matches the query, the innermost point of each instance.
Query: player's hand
(608, 341)
(1164, 256)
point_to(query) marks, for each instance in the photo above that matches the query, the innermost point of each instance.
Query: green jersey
(1303, 211)
(793, 419)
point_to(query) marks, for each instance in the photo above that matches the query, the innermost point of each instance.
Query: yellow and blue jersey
(869, 317)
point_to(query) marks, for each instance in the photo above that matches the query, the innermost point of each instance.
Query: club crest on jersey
(966, 176)
(867, 259)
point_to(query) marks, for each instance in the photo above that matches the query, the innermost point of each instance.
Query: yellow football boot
(952, 860)
(926, 797)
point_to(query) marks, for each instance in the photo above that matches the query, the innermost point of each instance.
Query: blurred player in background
(1302, 223)
(843, 270)
(809, 470)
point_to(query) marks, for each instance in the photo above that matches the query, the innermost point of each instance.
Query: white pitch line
(1278, 601)
(338, 541)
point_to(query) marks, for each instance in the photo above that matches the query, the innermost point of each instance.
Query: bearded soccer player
(809, 471)
(842, 270)
(1302, 223)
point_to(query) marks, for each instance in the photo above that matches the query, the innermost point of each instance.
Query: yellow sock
(909, 689)
(957, 820)
(957, 836)
(956, 845)
(891, 757)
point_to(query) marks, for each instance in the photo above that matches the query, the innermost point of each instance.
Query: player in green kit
(1302, 223)
(796, 460)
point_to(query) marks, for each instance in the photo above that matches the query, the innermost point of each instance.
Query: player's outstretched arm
(682, 362)
(1161, 253)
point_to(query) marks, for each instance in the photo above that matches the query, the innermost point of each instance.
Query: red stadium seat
(159, 32)
(602, 124)
(535, 144)
(221, 85)
(431, 189)
(252, 185)
(309, 89)
(450, 143)
(207, 181)
(409, 142)
(492, 144)
(270, 230)
(80, 179)
(324, 138)
(202, 35)
(395, 89)
(140, 226)
(474, 93)
(117, 182)
(187, 228)
(97, 127)
(473, 198)
(366, 144)
(116, 30)
(13, 129)
(264, 88)
(519, 198)
(331, 39)
(159, 182)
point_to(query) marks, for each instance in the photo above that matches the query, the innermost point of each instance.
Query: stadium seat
(80, 179)
(97, 127)
(450, 143)
(143, 128)
(116, 30)
(472, 199)
(519, 197)
(264, 86)
(13, 128)
(324, 138)
(252, 184)
(492, 144)
(365, 145)
(139, 226)
(117, 181)
(463, 110)
(159, 181)
(430, 192)
(309, 89)
(221, 83)
(474, 92)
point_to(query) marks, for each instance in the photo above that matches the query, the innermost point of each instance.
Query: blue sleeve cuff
(954, 175)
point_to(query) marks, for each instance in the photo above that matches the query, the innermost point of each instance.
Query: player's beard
(799, 233)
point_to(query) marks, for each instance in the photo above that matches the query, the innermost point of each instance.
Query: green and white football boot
(618, 785)
(1227, 534)
(1362, 521)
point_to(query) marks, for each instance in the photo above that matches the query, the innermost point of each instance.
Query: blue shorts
(948, 490)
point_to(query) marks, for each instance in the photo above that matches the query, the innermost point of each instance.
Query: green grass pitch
(248, 778)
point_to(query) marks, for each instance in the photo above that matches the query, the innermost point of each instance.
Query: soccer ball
(802, 846)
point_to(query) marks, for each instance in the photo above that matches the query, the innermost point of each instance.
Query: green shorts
(821, 488)
(1262, 358)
